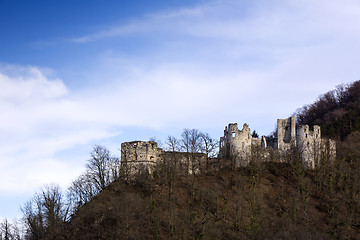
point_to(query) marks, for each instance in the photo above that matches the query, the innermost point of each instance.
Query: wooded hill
(262, 201)
(337, 111)
(265, 200)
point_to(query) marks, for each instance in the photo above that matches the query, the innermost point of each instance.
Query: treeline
(193, 141)
(265, 200)
(337, 111)
(270, 200)
(47, 214)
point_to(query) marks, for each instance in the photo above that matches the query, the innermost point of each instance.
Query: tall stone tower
(310, 145)
(236, 144)
(286, 133)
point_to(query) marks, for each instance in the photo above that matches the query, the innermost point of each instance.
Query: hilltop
(337, 111)
(269, 199)
(261, 201)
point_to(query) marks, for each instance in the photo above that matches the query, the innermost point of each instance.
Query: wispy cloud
(204, 66)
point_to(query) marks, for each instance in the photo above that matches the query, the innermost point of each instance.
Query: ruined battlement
(139, 156)
(239, 145)
(140, 151)
(236, 142)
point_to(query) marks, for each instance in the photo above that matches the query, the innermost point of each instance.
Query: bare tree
(101, 170)
(209, 145)
(114, 166)
(158, 141)
(81, 191)
(5, 232)
(173, 143)
(185, 140)
(195, 141)
(98, 167)
(45, 213)
(191, 140)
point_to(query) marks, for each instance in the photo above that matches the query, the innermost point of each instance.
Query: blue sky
(78, 73)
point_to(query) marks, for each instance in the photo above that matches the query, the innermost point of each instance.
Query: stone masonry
(139, 156)
(238, 144)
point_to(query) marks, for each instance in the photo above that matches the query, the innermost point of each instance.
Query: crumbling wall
(183, 161)
(309, 145)
(139, 156)
(286, 133)
(239, 145)
(236, 144)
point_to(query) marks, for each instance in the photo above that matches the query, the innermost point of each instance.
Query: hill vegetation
(265, 200)
(337, 111)
(262, 201)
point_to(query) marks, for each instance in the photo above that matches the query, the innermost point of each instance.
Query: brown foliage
(337, 111)
(262, 201)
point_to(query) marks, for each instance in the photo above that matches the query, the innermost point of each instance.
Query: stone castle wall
(139, 156)
(238, 145)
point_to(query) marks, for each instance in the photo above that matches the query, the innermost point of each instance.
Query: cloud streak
(202, 67)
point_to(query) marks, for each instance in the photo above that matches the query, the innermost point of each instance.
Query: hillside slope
(265, 200)
(337, 111)
(262, 201)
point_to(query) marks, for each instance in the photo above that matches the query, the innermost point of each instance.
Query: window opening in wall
(305, 135)
(233, 134)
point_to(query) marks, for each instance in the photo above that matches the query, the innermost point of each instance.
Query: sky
(78, 73)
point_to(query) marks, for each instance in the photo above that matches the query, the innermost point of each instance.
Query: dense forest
(337, 111)
(265, 200)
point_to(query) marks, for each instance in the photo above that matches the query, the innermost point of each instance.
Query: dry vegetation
(262, 201)
(265, 200)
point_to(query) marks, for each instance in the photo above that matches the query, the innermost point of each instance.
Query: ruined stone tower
(312, 147)
(139, 155)
(286, 133)
(238, 144)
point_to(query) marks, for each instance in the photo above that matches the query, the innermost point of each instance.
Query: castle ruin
(138, 156)
(238, 144)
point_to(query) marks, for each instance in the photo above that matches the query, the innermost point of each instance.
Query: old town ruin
(237, 146)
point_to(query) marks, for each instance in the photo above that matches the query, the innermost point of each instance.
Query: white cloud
(214, 63)
(243, 57)
(40, 119)
(21, 83)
